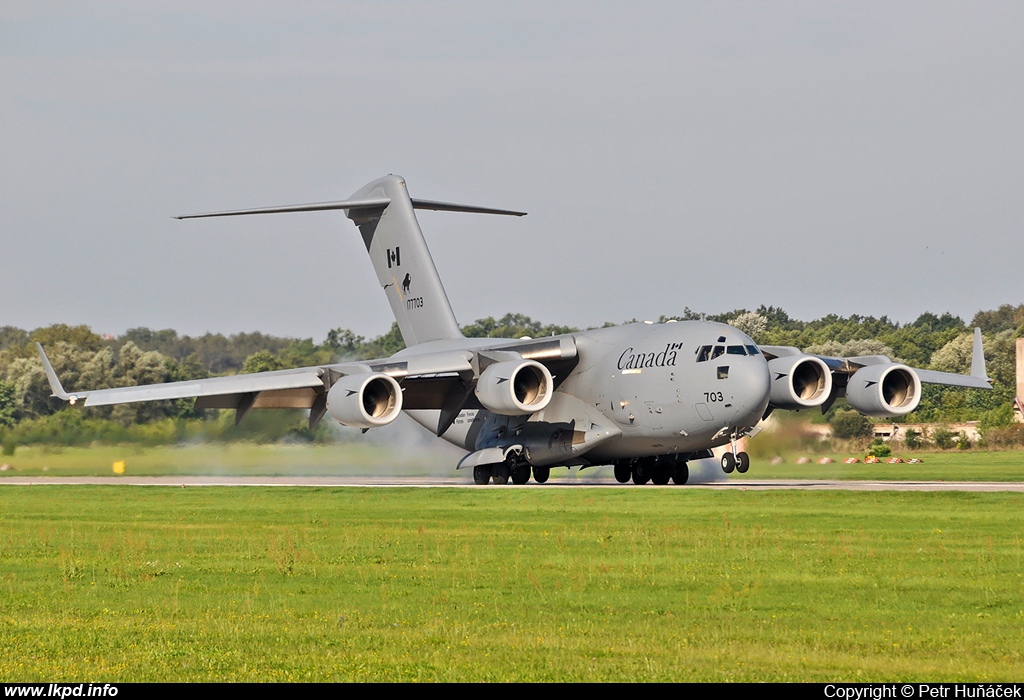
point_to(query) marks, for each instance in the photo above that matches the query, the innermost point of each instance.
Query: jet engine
(515, 388)
(884, 391)
(365, 400)
(799, 381)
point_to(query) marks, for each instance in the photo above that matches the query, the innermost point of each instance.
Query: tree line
(86, 360)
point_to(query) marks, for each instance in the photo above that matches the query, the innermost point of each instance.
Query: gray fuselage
(637, 390)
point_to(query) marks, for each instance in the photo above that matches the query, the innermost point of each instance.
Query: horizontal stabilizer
(376, 203)
(447, 206)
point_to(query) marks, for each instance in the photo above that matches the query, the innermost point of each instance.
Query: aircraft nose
(751, 389)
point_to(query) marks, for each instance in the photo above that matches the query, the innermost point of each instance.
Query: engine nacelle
(799, 381)
(365, 400)
(884, 391)
(515, 388)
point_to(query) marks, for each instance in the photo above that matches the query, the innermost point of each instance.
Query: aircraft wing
(977, 379)
(309, 377)
(429, 376)
(368, 393)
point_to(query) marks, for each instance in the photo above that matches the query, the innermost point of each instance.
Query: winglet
(51, 376)
(978, 358)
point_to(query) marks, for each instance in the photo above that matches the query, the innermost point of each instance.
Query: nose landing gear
(740, 461)
(728, 462)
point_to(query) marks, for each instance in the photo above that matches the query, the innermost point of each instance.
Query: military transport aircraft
(643, 397)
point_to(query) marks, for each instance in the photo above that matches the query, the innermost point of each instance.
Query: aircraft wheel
(641, 472)
(728, 463)
(743, 463)
(499, 474)
(481, 474)
(520, 475)
(622, 473)
(541, 474)
(680, 474)
(661, 474)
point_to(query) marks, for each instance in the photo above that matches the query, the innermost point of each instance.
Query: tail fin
(403, 264)
(384, 213)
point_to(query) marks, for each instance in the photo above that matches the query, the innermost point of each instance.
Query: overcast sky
(822, 157)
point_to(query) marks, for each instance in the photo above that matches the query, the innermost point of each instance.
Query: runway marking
(456, 482)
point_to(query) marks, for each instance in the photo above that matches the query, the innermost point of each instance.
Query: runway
(466, 482)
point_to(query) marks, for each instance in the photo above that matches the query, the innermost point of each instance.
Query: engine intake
(515, 388)
(365, 400)
(884, 391)
(799, 381)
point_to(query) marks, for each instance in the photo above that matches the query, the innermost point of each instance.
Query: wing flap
(279, 398)
(430, 393)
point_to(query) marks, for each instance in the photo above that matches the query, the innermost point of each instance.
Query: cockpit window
(706, 352)
(752, 350)
(735, 350)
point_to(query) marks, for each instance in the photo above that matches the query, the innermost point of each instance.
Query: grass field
(360, 458)
(231, 458)
(949, 465)
(283, 584)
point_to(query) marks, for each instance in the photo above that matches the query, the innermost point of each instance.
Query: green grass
(238, 459)
(227, 458)
(950, 465)
(290, 584)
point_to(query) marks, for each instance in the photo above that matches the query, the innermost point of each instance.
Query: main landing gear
(652, 470)
(481, 474)
(512, 468)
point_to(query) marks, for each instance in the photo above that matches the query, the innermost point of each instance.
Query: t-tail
(384, 213)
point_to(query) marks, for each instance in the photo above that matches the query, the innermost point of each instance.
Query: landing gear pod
(515, 388)
(365, 400)
(799, 381)
(884, 391)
